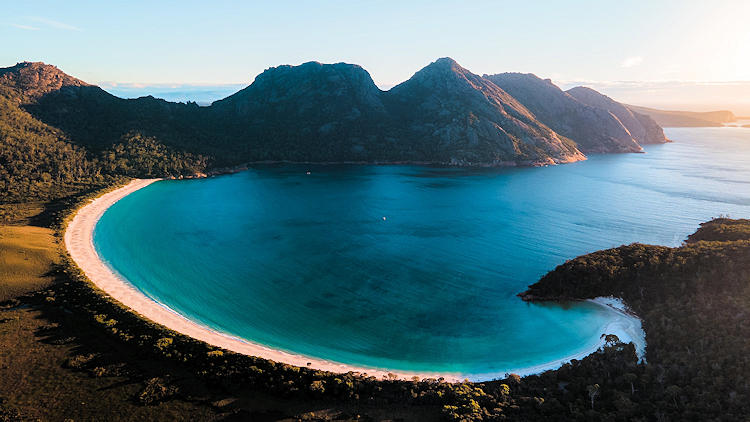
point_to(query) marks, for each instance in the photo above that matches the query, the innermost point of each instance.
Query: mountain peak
(444, 73)
(27, 64)
(446, 61)
(444, 64)
(519, 77)
(35, 79)
(584, 90)
(308, 86)
(319, 74)
(312, 67)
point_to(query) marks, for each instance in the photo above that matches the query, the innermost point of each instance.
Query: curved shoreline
(78, 240)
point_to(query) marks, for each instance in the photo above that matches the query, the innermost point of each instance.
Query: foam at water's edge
(629, 329)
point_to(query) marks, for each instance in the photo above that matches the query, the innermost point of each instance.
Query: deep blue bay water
(414, 268)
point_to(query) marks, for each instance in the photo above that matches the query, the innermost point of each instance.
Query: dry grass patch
(27, 256)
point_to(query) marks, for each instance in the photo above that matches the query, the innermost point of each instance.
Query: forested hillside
(41, 162)
(38, 161)
(694, 301)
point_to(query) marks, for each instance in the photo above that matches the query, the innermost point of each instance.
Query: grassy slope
(34, 382)
(27, 255)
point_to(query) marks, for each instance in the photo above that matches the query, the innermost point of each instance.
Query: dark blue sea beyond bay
(414, 268)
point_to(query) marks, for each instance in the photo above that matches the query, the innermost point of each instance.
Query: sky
(668, 53)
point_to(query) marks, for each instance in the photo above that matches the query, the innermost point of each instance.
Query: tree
(593, 392)
(610, 339)
(674, 392)
(630, 378)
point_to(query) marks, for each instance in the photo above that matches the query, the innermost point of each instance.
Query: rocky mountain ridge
(594, 129)
(35, 79)
(317, 112)
(642, 127)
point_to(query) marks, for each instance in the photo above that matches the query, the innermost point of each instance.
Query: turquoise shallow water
(308, 263)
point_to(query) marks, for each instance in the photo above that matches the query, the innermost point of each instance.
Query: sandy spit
(78, 239)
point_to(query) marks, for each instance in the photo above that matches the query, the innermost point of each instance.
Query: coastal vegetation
(693, 301)
(40, 163)
(37, 162)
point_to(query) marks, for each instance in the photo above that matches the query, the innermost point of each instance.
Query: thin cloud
(55, 24)
(632, 61)
(26, 27)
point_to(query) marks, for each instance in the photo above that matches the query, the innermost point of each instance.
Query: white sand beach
(78, 240)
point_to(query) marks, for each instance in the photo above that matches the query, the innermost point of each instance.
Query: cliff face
(653, 133)
(594, 129)
(642, 127)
